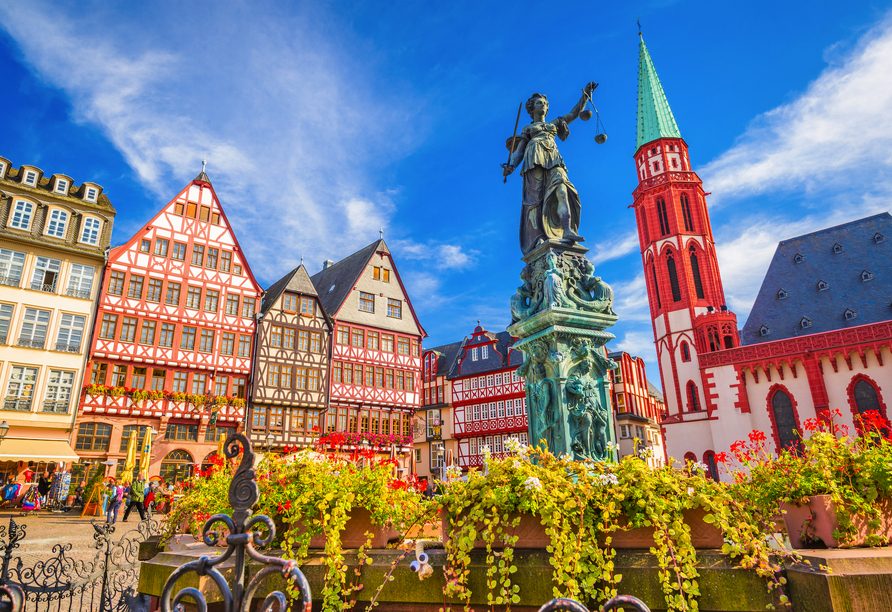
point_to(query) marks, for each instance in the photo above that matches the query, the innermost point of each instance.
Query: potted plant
(831, 487)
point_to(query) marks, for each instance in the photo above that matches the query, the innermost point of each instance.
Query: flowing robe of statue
(543, 172)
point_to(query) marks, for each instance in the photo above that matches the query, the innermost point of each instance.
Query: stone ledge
(723, 587)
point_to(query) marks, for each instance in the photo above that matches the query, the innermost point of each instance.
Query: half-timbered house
(639, 408)
(173, 338)
(53, 237)
(433, 434)
(376, 353)
(488, 398)
(289, 385)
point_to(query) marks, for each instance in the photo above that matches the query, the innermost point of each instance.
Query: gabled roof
(866, 246)
(655, 119)
(654, 392)
(297, 281)
(446, 355)
(335, 282)
(500, 357)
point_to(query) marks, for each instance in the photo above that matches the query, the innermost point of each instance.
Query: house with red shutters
(817, 341)
(173, 339)
(375, 381)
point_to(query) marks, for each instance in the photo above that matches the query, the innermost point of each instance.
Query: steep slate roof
(297, 281)
(869, 299)
(335, 282)
(655, 119)
(654, 392)
(499, 358)
(446, 355)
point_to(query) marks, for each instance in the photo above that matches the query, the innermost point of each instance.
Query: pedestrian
(116, 495)
(136, 495)
(149, 501)
(79, 494)
(106, 496)
(10, 492)
(43, 487)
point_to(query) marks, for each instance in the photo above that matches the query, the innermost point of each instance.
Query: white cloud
(617, 247)
(639, 344)
(443, 256)
(631, 300)
(836, 132)
(293, 121)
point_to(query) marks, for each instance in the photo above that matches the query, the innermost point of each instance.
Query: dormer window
(805, 322)
(30, 178)
(61, 186)
(90, 194)
(798, 258)
(866, 276)
(90, 233)
(484, 351)
(21, 215)
(850, 315)
(837, 248)
(823, 286)
(474, 354)
(878, 237)
(782, 295)
(57, 223)
(2, 170)
(764, 331)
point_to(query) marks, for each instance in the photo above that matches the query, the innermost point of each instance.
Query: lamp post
(270, 438)
(4, 429)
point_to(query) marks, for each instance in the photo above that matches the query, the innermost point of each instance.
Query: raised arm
(573, 114)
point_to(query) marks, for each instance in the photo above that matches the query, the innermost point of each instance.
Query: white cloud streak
(289, 115)
(837, 130)
(619, 246)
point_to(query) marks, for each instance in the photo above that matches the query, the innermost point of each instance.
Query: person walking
(149, 501)
(136, 495)
(114, 502)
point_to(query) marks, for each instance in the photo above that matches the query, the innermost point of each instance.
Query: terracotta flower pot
(531, 533)
(92, 509)
(359, 521)
(817, 520)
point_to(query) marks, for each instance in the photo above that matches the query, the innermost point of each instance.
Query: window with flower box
(159, 377)
(199, 384)
(221, 386)
(238, 387)
(138, 378)
(119, 376)
(179, 382)
(98, 373)
(181, 432)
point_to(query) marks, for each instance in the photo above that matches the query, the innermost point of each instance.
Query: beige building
(53, 238)
(433, 436)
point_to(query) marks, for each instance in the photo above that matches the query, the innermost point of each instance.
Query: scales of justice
(561, 310)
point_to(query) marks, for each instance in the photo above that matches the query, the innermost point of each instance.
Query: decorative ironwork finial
(241, 542)
(381, 233)
(638, 21)
(204, 163)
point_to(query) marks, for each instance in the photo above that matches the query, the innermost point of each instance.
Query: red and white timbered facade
(376, 349)
(175, 322)
(488, 397)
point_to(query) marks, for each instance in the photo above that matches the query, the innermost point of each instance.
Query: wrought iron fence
(105, 584)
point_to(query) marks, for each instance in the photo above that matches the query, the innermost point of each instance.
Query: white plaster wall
(690, 436)
(351, 313)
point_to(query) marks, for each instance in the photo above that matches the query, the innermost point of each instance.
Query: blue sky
(323, 122)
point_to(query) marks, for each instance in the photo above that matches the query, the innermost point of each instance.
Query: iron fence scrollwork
(106, 583)
(246, 535)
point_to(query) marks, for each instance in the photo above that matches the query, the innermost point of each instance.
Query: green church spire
(655, 118)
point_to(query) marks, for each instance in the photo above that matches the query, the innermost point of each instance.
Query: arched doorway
(176, 466)
(785, 420)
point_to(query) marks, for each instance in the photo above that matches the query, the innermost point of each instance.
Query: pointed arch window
(685, 352)
(653, 272)
(866, 399)
(714, 342)
(695, 270)
(686, 213)
(664, 218)
(693, 398)
(785, 420)
(712, 467)
(673, 279)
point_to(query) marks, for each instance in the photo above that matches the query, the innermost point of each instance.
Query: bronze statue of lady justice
(551, 207)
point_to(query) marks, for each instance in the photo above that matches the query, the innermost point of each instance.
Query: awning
(29, 449)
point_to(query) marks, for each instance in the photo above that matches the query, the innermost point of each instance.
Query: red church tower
(687, 301)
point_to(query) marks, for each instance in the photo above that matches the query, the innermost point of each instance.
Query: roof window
(2, 169)
(837, 248)
(61, 186)
(90, 194)
(805, 322)
(850, 315)
(764, 331)
(798, 258)
(866, 276)
(878, 237)
(823, 286)
(782, 295)
(30, 178)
